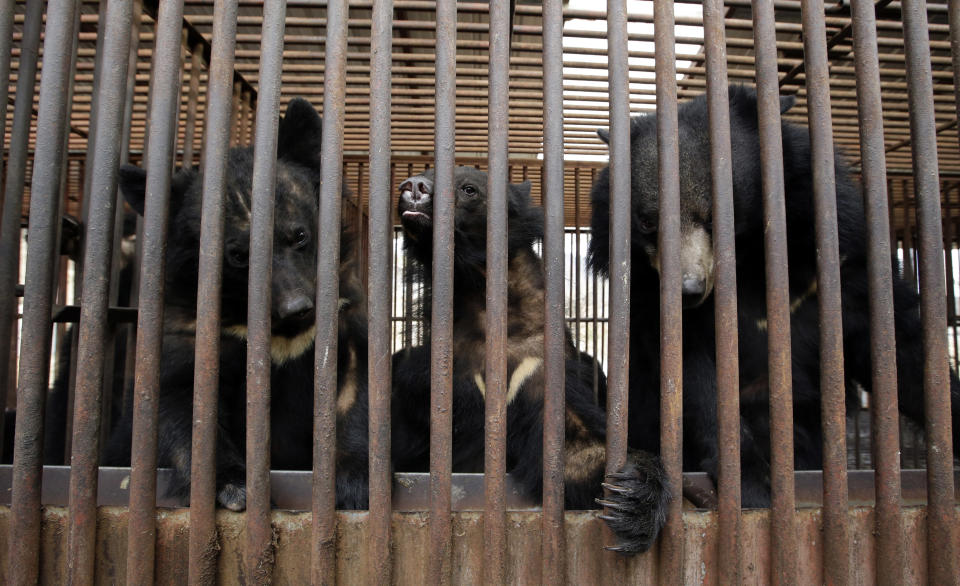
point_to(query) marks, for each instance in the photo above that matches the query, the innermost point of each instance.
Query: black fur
(292, 350)
(639, 494)
(699, 382)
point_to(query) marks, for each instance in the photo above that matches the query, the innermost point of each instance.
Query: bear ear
(604, 135)
(133, 185)
(787, 102)
(300, 133)
(523, 191)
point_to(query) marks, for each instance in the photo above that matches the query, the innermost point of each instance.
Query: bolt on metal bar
(885, 419)
(25, 522)
(12, 196)
(553, 548)
(783, 499)
(98, 251)
(259, 546)
(163, 112)
(495, 377)
(328, 261)
(441, 332)
(206, 381)
(942, 555)
(724, 296)
(833, 406)
(380, 231)
(671, 312)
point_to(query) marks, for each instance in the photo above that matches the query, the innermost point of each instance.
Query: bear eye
(300, 238)
(469, 190)
(647, 225)
(237, 256)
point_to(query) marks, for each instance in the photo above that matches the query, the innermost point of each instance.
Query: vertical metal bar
(833, 407)
(328, 261)
(6, 53)
(203, 534)
(24, 556)
(235, 117)
(725, 295)
(942, 555)
(13, 190)
(671, 336)
(553, 548)
(495, 428)
(883, 405)
(380, 233)
(783, 500)
(193, 94)
(163, 111)
(81, 539)
(441, 336)
(909, 268)
(259, 532)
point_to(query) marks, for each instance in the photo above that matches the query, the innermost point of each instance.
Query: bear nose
(296, 306)
(416, 190)
(693, 285)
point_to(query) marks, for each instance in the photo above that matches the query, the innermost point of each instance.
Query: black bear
(292, 348)
(699, 380)
(639, 493)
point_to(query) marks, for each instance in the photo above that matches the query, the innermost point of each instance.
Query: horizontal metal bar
(290, 489)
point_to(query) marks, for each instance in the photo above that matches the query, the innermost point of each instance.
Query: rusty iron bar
(6, 52)
(553, 548)
(193, 93)
(259, 545)
(885, 420)
(328, 287)
(25, 523)
(98, 251)
(833, 407)
(724, 296)
(13, 192)
(141, 540)
(441, 323)
(618, 363)
(783, 566)
(942, 555)
(380, 269)
(495, 377)
(671, 312)
(206, 381)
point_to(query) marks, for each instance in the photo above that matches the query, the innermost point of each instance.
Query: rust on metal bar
(259, 545)
(783, 499)
(942, 555)
(883, 405)
(24, 555)
(495, 375)
(441, 332)
(379, 273)
(16, 171)
(724, 295)
(328, 287)
(553, 547)
(164, 109)
(833, 406)
(206, 381)
(98, 251)
(671, 316)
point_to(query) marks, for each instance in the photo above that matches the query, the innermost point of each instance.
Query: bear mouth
(415, 219)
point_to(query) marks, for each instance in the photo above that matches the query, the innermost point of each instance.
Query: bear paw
(233, 496)
(636, 508)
